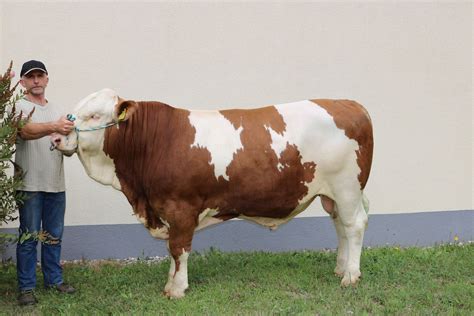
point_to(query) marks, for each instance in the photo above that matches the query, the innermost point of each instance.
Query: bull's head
(93, 114)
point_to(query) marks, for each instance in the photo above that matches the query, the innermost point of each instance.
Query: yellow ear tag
(122, 115)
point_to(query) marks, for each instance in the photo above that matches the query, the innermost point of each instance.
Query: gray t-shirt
(43, 168)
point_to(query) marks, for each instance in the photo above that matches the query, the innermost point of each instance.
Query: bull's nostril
(57, 140)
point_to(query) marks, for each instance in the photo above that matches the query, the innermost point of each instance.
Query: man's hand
(63, 126)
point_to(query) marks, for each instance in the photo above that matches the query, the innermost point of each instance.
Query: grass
(411, 281)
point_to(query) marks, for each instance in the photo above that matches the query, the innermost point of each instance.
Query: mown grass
(411, 281)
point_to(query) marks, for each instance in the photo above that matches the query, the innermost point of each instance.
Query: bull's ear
(125, 109)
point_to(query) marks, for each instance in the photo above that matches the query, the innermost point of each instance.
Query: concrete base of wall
(132, 240)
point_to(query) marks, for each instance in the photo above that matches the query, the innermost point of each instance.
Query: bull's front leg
(177, 276)
(170, 274)
(179, 246)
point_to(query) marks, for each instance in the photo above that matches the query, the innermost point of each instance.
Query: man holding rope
(42, 213)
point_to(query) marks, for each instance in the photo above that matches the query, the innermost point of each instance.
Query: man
(42, 214)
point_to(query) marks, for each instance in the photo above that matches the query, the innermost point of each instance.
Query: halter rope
(72, 118)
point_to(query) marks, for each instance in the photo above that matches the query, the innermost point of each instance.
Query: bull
(183, 170)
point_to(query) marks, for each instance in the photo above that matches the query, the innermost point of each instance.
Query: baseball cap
(32, 65)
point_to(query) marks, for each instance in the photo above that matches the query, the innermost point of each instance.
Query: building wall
(409, 63)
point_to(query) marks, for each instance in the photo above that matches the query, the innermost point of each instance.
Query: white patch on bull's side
(206, 218)
(279, 142)
(319, 140)
(218, 135)
(178, 283)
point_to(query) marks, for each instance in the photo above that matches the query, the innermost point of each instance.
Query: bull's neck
(142, 141)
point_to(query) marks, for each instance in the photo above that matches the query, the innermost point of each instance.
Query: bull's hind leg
(331, 208)
(342, 248)
(350, 225)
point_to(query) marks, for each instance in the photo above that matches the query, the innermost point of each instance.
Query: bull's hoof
(174, 294)
(350, 278)
(168, 286)
(339, 272)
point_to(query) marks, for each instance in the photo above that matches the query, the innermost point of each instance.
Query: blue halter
(72, 118)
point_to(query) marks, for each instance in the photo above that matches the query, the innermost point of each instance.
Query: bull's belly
(273, 223)
(207, 218)
(210, 216)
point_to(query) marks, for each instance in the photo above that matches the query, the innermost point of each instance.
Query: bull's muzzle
(55, 141)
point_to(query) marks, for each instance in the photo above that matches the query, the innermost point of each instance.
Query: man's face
(35, 82)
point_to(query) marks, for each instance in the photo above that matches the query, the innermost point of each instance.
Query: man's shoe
(27, 298)
(63, 288)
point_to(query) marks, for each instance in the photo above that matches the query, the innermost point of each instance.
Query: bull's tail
(365, 203)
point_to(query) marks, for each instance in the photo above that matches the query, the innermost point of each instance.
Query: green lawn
(410, 281)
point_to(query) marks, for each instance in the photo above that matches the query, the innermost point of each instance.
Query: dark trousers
(41, 211)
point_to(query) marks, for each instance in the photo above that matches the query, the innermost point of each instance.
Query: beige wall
(410, 64)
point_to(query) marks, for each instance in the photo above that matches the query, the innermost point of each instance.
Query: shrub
(10, 122)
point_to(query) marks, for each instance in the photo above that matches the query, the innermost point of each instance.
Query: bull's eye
(95, 117)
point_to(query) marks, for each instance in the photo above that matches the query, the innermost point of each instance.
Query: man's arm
(37, 130)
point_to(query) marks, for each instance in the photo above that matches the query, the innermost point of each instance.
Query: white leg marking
(170, 275)
(354, 221)
(178, 283)
(342, 248)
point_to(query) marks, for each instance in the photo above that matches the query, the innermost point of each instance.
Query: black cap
(32, 65)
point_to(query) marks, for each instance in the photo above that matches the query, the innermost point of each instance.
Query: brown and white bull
(183, 170)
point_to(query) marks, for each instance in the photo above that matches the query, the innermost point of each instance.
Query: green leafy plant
(11, 179)
(42, 236)
(10, 123)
